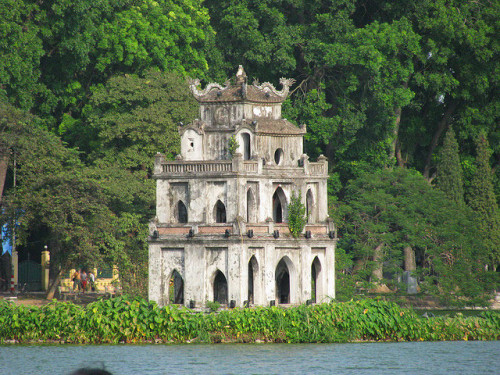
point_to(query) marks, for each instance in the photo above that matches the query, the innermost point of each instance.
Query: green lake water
(357, 358)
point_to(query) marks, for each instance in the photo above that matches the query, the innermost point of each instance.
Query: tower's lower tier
(238, 270)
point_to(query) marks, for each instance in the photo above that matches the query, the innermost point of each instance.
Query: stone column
(304, 160)
(330, 270)
(159, 158)
(45, 268)
(237, 162)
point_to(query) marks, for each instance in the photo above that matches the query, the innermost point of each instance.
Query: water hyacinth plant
(134, 320)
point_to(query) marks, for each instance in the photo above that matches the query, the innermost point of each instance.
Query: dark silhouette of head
(91, 371)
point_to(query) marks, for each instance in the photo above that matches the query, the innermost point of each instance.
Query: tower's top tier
(225, 107)
(240, 91)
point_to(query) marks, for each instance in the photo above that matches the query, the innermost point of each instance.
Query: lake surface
(363, 358)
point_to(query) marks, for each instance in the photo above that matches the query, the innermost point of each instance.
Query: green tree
(449, 169)
(390, 211)
(21, 48)
(55, 53)
(133, 117)
(481, 199)
(57, 195)
(127, 122)
(296, 215)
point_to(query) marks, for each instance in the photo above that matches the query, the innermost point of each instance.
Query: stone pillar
(159, 158)
(115, 274)
(323, 159)
(330, 270)
(15, 267)
(155, 273)
(270, 225)
(45, 268)
(304, 160)
(237, 162)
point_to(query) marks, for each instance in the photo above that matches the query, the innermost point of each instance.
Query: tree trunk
(359, 265)
(52, 288)
(410, 263)
(395, 134)
(442, 126)
(395, 151)
(378, 256)
(4, 164)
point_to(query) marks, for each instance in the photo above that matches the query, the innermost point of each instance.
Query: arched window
(252, 275)
(182, 215)
(176, 289)
(219, 212)
(251, 207)
(316, 286)
(310, 207)
(279, 205)
(220, 288)
(282, 282)
(278, 156)
(246, 146)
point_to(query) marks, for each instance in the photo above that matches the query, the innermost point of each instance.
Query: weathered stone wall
(198, 259)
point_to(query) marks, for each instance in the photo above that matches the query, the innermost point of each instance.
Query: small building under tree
(220, 232)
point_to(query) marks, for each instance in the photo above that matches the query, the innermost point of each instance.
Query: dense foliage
(137, 321)
(91, 90)
(296, 215)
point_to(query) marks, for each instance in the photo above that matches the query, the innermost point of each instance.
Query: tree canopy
(402, 97)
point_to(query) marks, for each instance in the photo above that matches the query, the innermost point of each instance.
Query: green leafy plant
(135, 320)
(296, 215)
(232, 146)
(213, 306)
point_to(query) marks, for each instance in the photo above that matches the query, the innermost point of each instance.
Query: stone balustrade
(320, 229)
(180, 167)
(237, 165)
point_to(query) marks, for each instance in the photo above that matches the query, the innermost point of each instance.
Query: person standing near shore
(91, 278)
(84, 280)
(77, 280)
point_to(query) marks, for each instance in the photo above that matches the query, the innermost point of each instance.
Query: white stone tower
(220, 232)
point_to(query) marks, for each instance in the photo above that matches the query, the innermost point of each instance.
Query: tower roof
(241, 91)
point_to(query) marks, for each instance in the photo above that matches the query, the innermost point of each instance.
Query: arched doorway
(279, 205)
(176, 289)
(220, 288)
(282, 282)
(246, 146)
(316, 285)
(310, 207)
(253, 267)
(182, 215)
(251, 207)
(219, 212)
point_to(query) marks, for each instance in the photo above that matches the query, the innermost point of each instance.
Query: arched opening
(251, 207)
(220, 212)
(176, 289)
(316, 286)
(278, 156)
(246, 146)
(282, 282)
(182, 214)
(220, 288)
(252, 275)
(279, 205)
(310, 207)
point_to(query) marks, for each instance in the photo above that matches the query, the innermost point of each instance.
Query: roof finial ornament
(241, 76)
